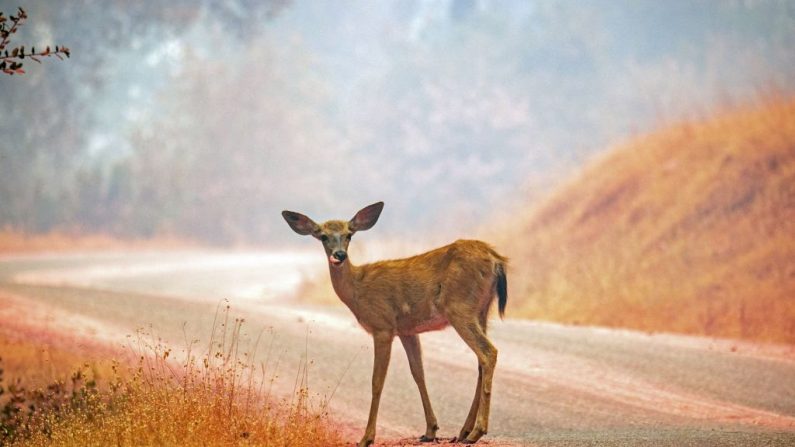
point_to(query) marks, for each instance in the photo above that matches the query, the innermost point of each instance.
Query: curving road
(554, 385)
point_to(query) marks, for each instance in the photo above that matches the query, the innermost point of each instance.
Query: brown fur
(451, 285)
(413, 295)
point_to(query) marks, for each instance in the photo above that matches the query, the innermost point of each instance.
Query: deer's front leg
(382, 343)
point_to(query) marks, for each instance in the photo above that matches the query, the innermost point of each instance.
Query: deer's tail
(502, 288)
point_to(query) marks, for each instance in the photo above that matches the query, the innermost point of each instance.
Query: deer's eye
(324, 238)
(349, 236)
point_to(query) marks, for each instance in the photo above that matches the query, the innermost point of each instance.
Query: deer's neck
(342, 278)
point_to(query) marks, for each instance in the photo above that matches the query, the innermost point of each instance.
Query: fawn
(451, 285)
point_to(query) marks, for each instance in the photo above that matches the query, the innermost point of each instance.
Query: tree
(53, 118)
(11, 58)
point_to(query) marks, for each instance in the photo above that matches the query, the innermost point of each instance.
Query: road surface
(554, 385)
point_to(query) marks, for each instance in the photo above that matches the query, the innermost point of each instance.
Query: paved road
(554, 385)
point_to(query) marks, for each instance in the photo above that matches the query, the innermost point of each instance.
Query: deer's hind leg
(411, 343)
(469, 424)
(473, 332)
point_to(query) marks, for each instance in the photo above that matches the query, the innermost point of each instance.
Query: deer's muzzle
(338, 257)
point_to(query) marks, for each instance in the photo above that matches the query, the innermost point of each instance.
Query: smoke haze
(206, 119)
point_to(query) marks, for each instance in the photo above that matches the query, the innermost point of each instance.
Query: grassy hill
(690, 229)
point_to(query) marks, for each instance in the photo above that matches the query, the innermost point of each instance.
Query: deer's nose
(340, 255)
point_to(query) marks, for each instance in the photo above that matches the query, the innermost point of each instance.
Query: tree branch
(11, 62)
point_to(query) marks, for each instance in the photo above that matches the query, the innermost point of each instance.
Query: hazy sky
(449, 111)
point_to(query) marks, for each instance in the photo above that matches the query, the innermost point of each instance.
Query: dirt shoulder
(17, 242)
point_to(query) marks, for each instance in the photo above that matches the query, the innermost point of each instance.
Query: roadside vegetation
(688, 229)
(215, 395)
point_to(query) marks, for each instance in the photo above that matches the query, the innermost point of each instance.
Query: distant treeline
(60, 171)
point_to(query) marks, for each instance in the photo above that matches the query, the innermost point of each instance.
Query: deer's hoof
(473, 436)
(364, 443)
(424, 438)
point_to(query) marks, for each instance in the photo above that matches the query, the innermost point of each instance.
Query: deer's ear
(366, 217)
(300, 223)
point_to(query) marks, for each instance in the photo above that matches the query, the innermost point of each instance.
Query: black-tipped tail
(502, 289)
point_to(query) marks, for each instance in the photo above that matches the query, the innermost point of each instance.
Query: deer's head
(335, 234)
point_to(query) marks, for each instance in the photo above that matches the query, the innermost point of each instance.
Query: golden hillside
(690, 229)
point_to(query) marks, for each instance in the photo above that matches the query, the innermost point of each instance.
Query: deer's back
(413, 294)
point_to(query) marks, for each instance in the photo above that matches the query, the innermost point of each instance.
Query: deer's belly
(433, 323)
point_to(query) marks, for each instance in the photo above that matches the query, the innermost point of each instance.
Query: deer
(452, 285)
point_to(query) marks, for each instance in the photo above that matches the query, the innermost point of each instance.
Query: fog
(205, 119)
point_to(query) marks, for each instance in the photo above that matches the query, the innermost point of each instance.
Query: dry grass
(13, 241)
(690, 229)
(44, 363)
(214, 395)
